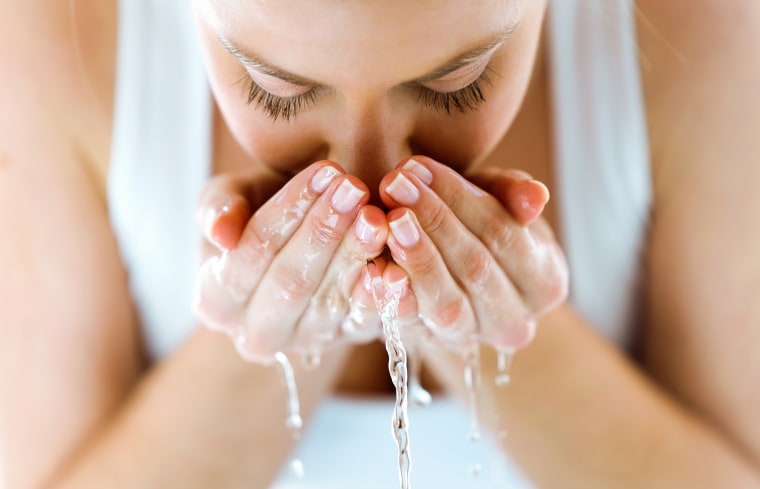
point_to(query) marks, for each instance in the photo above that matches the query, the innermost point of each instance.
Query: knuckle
(477, 265)
(424, 263)
(324, 232)
(448, 315)
(436, 218)
(330, 302)
(292, 285)
(498, 235)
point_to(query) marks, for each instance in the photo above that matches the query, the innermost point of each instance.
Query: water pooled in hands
(387, 304)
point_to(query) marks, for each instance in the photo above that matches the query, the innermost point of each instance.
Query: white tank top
(161, 158)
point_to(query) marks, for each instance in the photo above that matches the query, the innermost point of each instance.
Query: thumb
(227, 203)
(524, 197)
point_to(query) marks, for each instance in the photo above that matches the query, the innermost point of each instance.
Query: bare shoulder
(700, 71)
(59, 62)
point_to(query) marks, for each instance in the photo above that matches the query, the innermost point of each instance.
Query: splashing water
(387, 304)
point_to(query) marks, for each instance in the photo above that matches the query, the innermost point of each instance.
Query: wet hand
(480, 263)
(288, 273)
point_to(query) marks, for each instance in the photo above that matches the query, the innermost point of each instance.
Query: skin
(306, 285)
(579, 413)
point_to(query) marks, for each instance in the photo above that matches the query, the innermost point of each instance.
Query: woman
(107, 384)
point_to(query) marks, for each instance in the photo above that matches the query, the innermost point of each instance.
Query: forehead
(353, 40)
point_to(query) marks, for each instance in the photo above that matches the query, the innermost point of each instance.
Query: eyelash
(463, 100)
(274, 106)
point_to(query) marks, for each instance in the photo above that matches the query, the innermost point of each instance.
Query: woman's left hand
(480, 263)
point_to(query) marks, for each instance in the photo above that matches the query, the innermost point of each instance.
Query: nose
(370, 144)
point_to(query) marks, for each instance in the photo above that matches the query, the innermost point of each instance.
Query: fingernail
(365, 231)
(346, 197)
(419, 170)
(403, 190)
(398, 286)
(323, 177)
(405, 231)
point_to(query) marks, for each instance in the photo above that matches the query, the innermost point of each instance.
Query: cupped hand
(480, 263)
(288, 273)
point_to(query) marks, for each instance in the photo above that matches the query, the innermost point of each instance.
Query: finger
(524, 197)
(271, 226)
(331, 302)
(529, 255)
(363, 322)
(224, 206)
(397, 281)
(442, 305)
(292, 278)
(501, 317)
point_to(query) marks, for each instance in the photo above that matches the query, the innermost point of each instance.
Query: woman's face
(367, 82)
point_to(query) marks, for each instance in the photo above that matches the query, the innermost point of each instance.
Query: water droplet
(311, 361)
(475, 469)
(503, 364)
(296, 468)
(502, 380)
(420, 396)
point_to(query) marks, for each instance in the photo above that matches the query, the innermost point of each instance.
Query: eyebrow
(461, 60)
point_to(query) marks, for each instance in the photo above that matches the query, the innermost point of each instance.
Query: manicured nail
(346, 197)
(403, 190)
(323, 177)
(405, 231)
(365, 231)
(419, 170)
(398, 286)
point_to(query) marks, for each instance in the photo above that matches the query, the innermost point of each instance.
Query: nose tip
(370, 166)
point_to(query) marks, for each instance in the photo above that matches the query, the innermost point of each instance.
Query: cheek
(462, 140)
(285, 147)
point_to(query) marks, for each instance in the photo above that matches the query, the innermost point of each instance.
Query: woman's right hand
(290, 276)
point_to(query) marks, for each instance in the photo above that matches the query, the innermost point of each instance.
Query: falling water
(418, 394)
(503, 364)
(471, 383)
(293, 421)
(387, 304)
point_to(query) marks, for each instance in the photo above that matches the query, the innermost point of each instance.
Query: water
(387, 305)
(471, 383)
(503, 364)
(293, 421)
(296, 468)
(418, 394)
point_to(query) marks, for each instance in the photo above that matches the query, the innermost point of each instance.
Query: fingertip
(231, 219)
(525, 199)
(371, 227)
